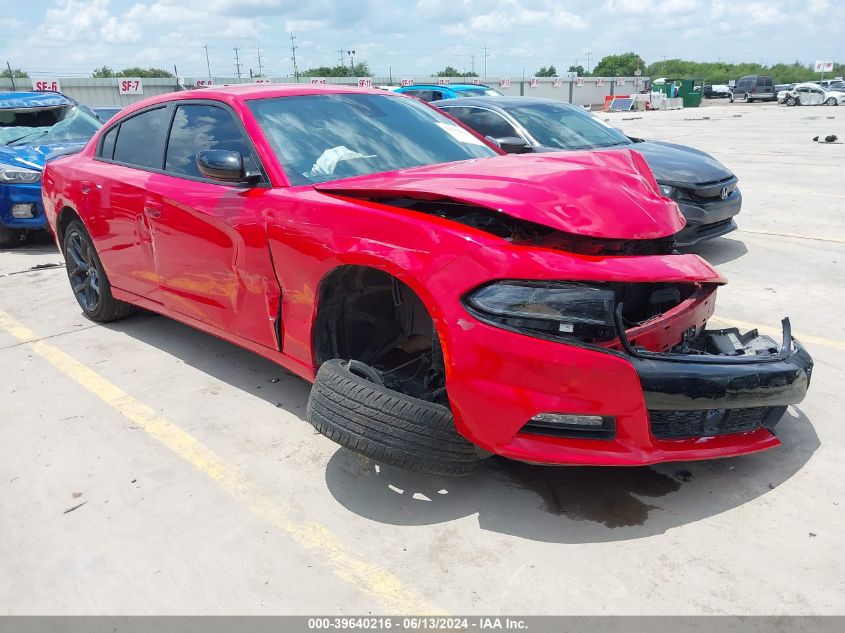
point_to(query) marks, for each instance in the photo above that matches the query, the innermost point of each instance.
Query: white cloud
(86, 20)
(415, 36)
(650, 7)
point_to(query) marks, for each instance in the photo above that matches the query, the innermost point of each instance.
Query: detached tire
(386, 425)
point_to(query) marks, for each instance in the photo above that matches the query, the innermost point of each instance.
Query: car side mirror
(512, 144)
(220, 164)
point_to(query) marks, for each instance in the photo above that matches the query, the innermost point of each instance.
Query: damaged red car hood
(610, 194)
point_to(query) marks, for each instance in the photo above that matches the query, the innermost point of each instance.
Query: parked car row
(449, 301)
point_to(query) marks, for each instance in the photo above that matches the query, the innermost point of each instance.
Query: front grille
(713, 190)
(676, 424)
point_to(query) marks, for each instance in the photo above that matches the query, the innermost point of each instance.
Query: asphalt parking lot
(203, 489)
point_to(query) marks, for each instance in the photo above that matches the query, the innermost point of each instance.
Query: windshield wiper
(40, 133)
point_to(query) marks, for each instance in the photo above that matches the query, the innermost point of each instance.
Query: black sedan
(705, 190)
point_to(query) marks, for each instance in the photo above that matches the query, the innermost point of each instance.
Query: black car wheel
(88, 279)
(347, 406)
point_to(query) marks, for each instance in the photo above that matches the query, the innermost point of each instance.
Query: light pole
(351, 62)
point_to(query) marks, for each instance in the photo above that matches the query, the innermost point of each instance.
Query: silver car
(812, 94)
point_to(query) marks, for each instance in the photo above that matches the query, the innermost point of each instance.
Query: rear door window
(138, 140)
(199, 127)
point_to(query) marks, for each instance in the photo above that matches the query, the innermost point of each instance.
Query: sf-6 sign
(130, 86)
(48, 85)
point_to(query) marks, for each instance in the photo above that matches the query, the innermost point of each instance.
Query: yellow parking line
(364, 576)
(776, 332)
(798, 236)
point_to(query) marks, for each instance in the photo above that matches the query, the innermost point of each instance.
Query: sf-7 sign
(130, 86)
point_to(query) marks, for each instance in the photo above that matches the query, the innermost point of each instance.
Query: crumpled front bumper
(499, 379)
(699, 403)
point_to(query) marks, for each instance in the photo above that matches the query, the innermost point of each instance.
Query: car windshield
(563, 127)
(320, 138)
(40, 126)
(480, 91)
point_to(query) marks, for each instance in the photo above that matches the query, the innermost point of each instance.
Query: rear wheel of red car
(88, 279)
(385, 425)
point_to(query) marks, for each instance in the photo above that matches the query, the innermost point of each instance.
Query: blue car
(34, 125)
(435, 92)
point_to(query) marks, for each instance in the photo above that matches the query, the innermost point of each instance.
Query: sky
(408, 37)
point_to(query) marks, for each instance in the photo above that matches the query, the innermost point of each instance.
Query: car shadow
(38, 243)
(577, 504)
(719, 251)
(550, 504)
(225, 361)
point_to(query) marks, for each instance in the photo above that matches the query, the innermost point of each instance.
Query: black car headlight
(560, 309)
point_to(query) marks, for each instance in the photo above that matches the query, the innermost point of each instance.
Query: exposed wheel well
(66, 216)
(368, 315)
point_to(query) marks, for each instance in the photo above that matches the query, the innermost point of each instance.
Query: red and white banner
(599, 82)
(620, 81)
(130, 86)
(535, 83)
(442, 82)
(476, 81)
(406, 82)
(504, 83)
(557, 83)
(318, 81)
(203, 83)
(824, 66)
(40, 85)
(579, 81)
(263, 80)
(365, 82)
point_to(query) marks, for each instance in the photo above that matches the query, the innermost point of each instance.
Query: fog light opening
(572, 425)
(23, 210)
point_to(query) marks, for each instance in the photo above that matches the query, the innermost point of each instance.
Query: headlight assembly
(10, 175)
(551, 308)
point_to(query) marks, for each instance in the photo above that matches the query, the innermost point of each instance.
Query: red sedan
(447, 301)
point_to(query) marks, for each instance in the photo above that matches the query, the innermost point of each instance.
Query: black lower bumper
(672, 384)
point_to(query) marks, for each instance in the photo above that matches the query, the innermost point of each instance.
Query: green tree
(579, 69)
(720, 72)
(551, 71)
(102, 71)
(622, 65)
(361, 69)
(451, 71)
(17, 73)
(137, 71)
